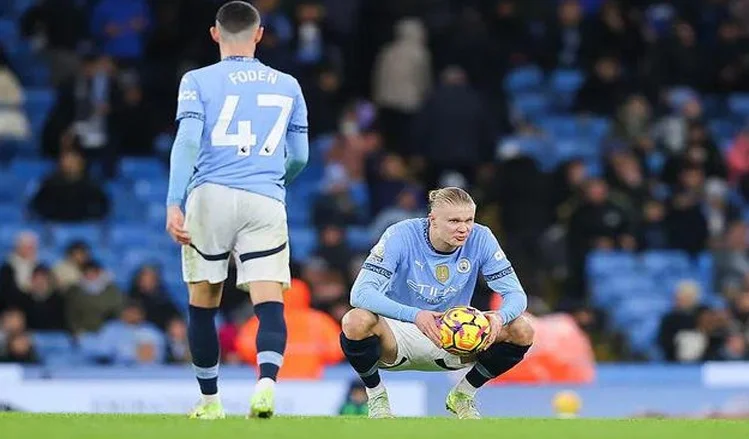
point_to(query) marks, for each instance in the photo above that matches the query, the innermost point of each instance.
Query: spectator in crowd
(605, 90)
(402, 79)
(732, 261)
(56, 29)
(12, 323)
(598, 223)
(43, 304)
(17, 270)
(565, 37)
(20, 349)
(334, 249)
(13, 121)
(93, 301)
(82, 112)
(131, 339)
(407, 206)
(355, 403)
(679, 337)
(67, 271)
(177, 347)
(68, 195)
(148, 289)
(454, 114)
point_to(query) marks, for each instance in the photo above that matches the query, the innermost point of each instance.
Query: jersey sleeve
(297, 141)
(374, 278)
(501, 278)
(298, 123)
(386, 255)
(189, 102)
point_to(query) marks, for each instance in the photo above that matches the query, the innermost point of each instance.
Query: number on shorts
(244, 139)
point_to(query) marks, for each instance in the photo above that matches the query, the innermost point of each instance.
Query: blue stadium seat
(576, 149)
(31, 169)
(64, 234)
(642, 336)
(38, 104)
(559, 127)
(738, 104)
(65, 359)
(90, 346)
(610, 291)
(8, 33)
(606, 264)
(564, 84)
(566, 80)
(633, 312)
(359, 238)
(666, 264)
(123, 236)
(153, 190)
(177, 291)
(678, 96)
(140, 168)
(705, 270)
(523, 79)
(11, 213)
(531, 105)
(531, 146)
(51, 343)
(303, 242)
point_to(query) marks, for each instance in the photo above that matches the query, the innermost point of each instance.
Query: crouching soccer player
(419, 269)
(242, 136)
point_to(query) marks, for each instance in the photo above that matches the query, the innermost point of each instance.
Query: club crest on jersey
(442, 272)
(464, 266)
(378, 252)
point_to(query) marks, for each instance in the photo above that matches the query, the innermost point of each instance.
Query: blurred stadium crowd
(605, 142)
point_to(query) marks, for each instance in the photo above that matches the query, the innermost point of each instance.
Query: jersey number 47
(244, 139)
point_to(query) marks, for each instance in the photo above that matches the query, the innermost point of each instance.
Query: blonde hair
(449, 195)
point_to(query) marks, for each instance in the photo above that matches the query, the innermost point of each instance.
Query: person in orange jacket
(312, 337)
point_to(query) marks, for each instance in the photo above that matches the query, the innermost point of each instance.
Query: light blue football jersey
(251, 114)
(405, 268)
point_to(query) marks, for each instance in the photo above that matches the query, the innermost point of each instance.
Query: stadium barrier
(618, 391)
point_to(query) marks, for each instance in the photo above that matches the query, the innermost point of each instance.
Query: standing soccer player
(242, 136)
(419, 269)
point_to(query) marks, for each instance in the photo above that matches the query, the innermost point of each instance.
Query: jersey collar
(429, 243)
(239, 58)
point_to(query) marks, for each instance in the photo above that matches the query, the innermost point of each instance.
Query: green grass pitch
(19, 426)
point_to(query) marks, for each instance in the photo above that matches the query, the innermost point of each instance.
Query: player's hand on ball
(175, 225)
(428, 323)
(496, 327)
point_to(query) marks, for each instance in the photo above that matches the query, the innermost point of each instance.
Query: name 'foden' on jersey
(245, 76)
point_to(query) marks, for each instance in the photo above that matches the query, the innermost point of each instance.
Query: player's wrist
(497, 315)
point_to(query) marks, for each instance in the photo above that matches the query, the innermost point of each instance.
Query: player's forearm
(297, 155)
(368, 293)
(183, 158)
(514, 300)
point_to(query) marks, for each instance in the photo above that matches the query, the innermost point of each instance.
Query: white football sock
(466, 388)
(209, 399)
(264, 383)
(374, 391)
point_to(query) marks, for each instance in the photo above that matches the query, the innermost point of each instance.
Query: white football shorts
(223, 221)
(417, 352)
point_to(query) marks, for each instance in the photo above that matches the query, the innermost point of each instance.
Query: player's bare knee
(204, 294)
(358, 324)
(521, 332)
(264, 291)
